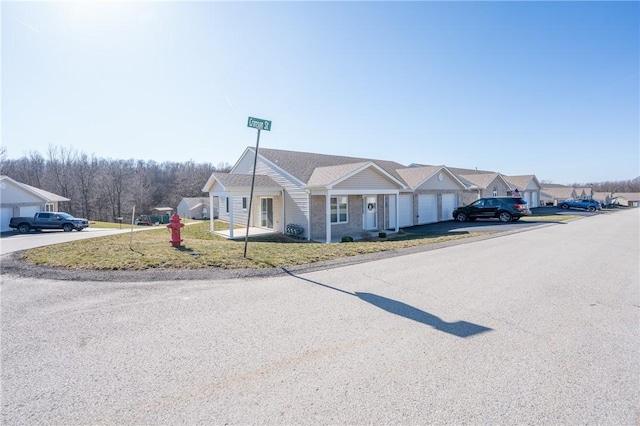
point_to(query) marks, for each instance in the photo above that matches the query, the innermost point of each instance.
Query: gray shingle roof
(414, 176)
(481, 180)
(302, 164)
(242, 181)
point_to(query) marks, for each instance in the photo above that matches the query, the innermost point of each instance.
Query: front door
(370, 212)
(266, 213)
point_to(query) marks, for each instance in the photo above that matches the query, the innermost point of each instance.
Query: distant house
(480, 185)
(629, 199)
(20, 199)
(528, 186)
(551, 194)
(197, 208)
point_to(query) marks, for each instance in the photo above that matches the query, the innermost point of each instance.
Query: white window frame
(341, 209)
(49, 207)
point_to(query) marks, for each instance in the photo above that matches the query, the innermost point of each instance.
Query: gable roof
(333, 175)
(229, 181)
(192, 202)
(417, 175)
(522, 181)
(482, 180)
(40, 193)
(302, 165)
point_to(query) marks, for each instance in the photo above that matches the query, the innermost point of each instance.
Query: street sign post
(260, 124)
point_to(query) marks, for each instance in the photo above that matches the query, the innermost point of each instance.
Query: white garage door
(406, 211)
(449, 204)
(7, 213)
(535, 202)
(427, 208)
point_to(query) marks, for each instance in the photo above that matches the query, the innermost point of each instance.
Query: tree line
(105, 189)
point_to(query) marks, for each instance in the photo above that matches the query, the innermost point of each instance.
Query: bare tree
(84, 171)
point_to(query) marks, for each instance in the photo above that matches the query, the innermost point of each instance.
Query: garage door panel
(449, 204)
(427, 208)
(406, 211)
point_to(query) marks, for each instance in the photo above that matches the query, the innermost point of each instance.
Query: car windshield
(66, 216)
(520, 201)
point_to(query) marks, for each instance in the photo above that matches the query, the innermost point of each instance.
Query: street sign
(259, 123)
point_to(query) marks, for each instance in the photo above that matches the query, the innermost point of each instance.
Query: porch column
(230, 203)
(327, 210)
(211, 215)
(397, 211)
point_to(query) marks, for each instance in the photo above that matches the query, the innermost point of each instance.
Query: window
(227, 200)
(48, 207)
(339, 209)
(244, 203)
(495, 191)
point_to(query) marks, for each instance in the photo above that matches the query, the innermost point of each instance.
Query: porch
(240, 233)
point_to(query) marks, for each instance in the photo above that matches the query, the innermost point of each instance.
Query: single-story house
(629, 199)
(330, 196)
(197, 208)
(481, 185)
(551, 194)
(528, 186)
(20, 199)
(437, 191)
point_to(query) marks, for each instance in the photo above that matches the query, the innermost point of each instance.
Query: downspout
(328, 217)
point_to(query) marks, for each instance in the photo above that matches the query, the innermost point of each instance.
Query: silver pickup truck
(48, 220)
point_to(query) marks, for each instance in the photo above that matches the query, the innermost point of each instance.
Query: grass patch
(201, 249)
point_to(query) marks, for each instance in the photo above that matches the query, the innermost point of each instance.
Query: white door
(370, 212)
(406, 211)
(427, 208)
(449, 204)
(266, 213)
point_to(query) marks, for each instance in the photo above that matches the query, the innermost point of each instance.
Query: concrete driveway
(14, 241)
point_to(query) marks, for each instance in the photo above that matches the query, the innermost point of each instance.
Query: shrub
(347, 239)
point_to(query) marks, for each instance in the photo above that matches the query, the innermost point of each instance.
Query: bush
(347, 239)
(382, 234)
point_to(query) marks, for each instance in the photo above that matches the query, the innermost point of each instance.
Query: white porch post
(211, 214)
(397, 211)
(328, 216)
(230, 203)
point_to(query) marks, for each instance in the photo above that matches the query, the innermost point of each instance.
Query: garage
(449, 204)
(427, 208)
(406, 211)
(7, 214)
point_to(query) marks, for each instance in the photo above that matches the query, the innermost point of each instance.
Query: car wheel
(461, 217)
(565, 206)
(23, 228)
(67, 227)
(505, 217)
(591, 209)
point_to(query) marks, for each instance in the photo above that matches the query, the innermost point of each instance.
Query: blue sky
(544, 88)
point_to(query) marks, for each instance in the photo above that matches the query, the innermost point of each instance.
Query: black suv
(504, 208)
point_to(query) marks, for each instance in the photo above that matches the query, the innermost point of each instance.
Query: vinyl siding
(367, 179)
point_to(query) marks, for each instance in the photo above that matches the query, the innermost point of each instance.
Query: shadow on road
(458, 328)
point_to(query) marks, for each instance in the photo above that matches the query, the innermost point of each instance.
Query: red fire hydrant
(175, 226)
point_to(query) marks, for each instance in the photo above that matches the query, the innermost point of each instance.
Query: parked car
(504, 208)
(48, 220)
(143, 220)
(591, 205)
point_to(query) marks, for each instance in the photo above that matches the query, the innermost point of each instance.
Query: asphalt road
(536, 327)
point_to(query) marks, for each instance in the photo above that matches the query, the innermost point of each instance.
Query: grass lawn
(201, 249)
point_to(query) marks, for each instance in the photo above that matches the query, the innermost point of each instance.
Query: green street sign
(259, 123)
